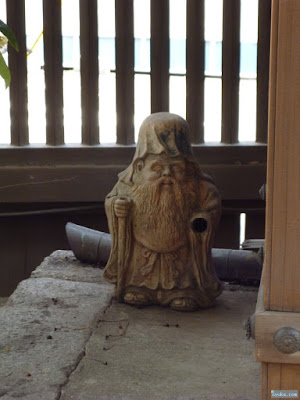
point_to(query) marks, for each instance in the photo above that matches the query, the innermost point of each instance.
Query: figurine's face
(162, 167)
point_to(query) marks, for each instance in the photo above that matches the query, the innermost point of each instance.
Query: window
(137, 57)
(176, 13)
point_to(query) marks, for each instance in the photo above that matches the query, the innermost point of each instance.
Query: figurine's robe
(187, 268)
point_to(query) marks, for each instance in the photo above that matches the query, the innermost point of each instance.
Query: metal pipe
(89, 245)
(242, 266)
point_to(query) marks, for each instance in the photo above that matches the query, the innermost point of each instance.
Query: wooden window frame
(68, 173)
(87, 173)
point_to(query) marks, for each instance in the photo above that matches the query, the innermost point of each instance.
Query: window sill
(87, 174)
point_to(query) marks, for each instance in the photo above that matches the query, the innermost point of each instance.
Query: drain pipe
(89, 245)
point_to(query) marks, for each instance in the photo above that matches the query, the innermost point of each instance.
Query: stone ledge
(46, 324)
(62, 337)
(62, 264)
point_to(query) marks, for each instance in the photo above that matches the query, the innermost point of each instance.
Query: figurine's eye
(140, 165)
(156, 168)
(178, 169)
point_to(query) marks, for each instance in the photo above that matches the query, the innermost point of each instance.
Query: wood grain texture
(285, 225)
(18, 69)
(290, 377)
(266, 325)
(89, 72)
(195, 54)
(73, 183)
(53, 72)
(125, 71)
(230, 71)
(274, 376)
(281, 271)
(263, 381)
(263, 53)
(160, 55)
(240, 155)
(271, 148)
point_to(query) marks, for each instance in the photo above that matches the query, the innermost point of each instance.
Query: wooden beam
(281, 272)
(267, 324)
(160, 55)
(263, 53)
(89, 72)
(238, 155)
(72, 183)
(18, 68)
(53, 72)
(271, 148)
(230, 71)
(283, 196)
(195, 53)
(124, 71)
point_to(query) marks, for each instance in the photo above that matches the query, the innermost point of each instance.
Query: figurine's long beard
(162, 212)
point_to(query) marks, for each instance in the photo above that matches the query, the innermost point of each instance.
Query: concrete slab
(3, 301)
(45, 326)
(64, 265)
(156, 353)
(61, 337)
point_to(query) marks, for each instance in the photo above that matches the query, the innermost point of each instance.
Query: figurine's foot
(184, 304)
(138, 299)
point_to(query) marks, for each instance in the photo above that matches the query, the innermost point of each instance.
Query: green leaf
(9, 34)
(4, 71)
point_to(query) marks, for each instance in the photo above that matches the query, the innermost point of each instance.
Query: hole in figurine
(199, 225)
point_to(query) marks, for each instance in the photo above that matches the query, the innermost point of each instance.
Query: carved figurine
(162, 216)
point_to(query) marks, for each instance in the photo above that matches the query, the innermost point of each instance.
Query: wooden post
(125, 71)
(195, 69)
(53, 72)
(281, 270)
(160, 55)
(89, 72)
(263, 53)
(18, 69)
(230, 71)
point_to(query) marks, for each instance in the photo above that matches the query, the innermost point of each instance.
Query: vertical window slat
(160, 55)
(230, 71)
(124, 72)
(18, 69)
(53, 72)
(89, 71)
(195, 69)
(263, 53)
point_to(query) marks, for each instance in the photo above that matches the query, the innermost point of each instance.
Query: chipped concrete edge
(64, 298)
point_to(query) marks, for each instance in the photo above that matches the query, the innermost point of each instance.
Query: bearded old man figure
(162, 215)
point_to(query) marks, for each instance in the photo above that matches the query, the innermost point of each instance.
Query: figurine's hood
(161, 132)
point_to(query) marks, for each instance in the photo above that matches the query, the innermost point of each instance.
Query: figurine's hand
(122, 206)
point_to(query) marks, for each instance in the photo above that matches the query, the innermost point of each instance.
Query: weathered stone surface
(64, 339)
(3, 301)
(159, 354)
(62, 264)
(46, 292)
(36, 359)
(44, 329)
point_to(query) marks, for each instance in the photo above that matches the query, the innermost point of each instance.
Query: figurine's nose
(166, 171)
